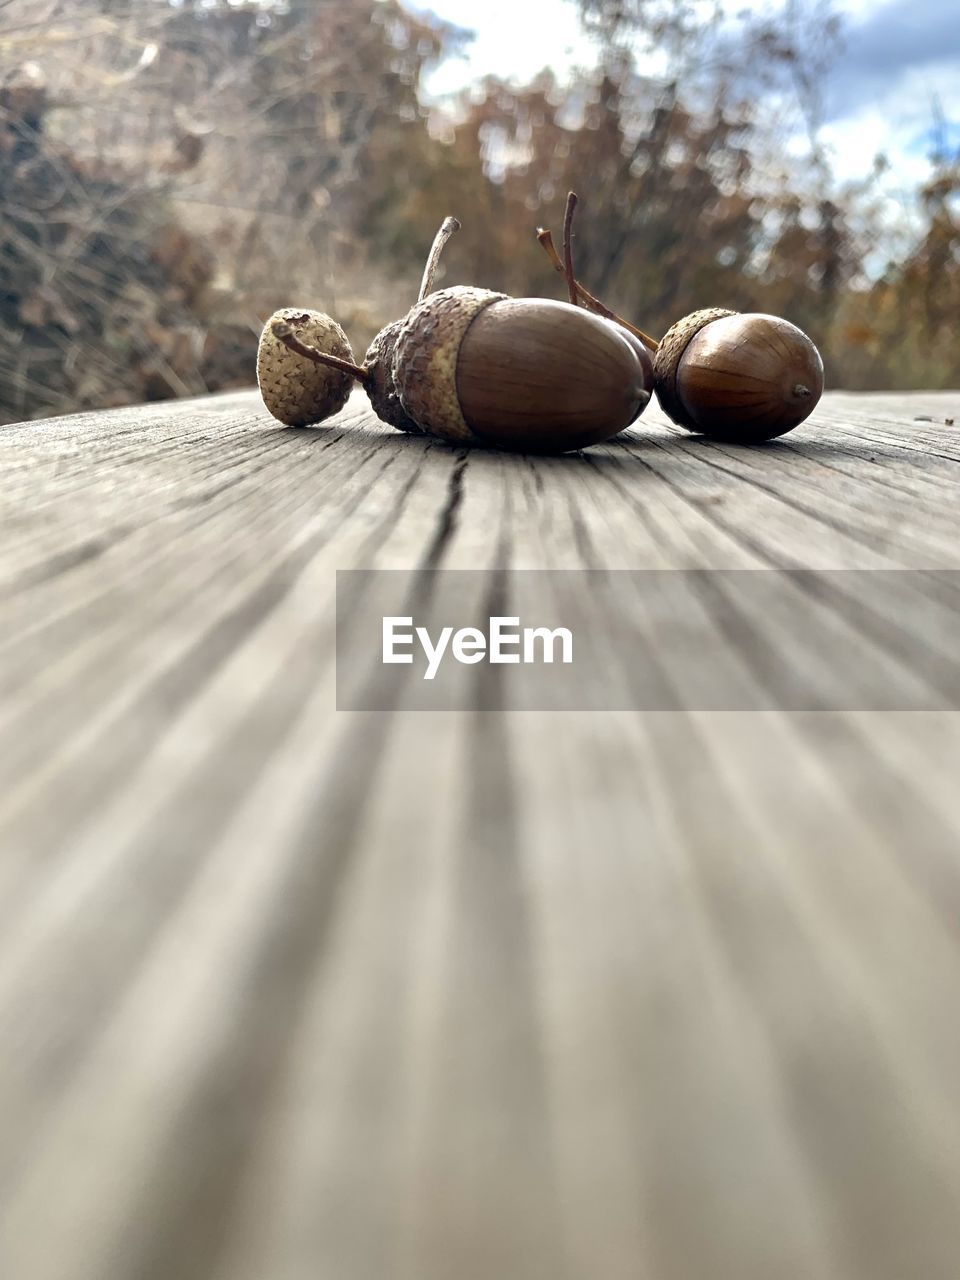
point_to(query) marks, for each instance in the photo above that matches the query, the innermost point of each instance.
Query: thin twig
(586, 297)
(282, 330)
(447, 229)
(568, 247)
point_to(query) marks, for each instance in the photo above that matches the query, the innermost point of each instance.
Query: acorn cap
(380, 385)
(666, 362)
(425, 358)
(297, 391)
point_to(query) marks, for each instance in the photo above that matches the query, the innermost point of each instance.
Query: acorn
(517, 369)
(296, 389)
(378, 362)
(737, 377)
(475, 366)
(379, 382)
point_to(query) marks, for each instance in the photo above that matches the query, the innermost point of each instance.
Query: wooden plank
(292, 992)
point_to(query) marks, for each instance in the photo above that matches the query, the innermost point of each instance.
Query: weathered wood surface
(288, 993)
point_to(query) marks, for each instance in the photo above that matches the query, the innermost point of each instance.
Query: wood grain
(289, 993)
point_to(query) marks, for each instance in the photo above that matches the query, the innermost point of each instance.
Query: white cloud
(514, 39)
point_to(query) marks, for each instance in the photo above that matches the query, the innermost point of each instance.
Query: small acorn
(738, 377)
(295, 388)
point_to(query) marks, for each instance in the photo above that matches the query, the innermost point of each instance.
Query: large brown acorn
(475, 366)
(743, 378)
(531, 375)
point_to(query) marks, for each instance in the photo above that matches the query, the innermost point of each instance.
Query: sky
(900, 58)
(901, 61)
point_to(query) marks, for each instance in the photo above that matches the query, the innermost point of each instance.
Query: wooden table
(292, 993)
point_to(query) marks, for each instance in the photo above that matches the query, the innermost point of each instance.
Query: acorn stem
(286, 334)
(593, 303)
(448, 227)
(568, 271)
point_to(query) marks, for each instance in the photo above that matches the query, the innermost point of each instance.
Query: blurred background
(173, 170)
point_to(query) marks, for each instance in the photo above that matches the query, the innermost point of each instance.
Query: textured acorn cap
(297, 391)
(666, 362)
(425, 358)
(380, 385)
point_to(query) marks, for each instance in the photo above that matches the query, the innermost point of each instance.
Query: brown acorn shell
(748, 378)
(646, 363)
(547, 377)
(425, 358)
(297, 391)
(381, 386)
(666, 362)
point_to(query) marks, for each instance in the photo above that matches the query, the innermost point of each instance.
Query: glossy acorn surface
(540, 375)
(642, 354)
(738, 377)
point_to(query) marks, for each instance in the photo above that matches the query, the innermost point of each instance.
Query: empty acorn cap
(380, 385)
(297, 391)
(425, 358)
(666, 362)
